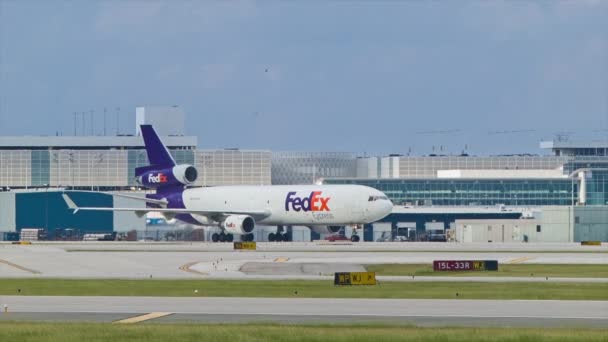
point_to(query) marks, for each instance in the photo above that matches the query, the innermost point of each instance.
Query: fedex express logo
(314, 202)
(159, 178)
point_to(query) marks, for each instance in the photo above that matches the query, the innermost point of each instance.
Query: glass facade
(308, 167)
(233, 167)
(597, 188)
(465, 192)
(427, 167)
(115, 168)
(15, 168)
(585, 163)
(40, 168)
(88, 168)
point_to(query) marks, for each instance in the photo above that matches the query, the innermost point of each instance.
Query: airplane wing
(162, 203)
(214, 214)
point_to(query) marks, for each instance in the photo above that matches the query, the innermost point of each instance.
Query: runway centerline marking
(6, 262)
(281, 259)
(143, 318)
(186, 268)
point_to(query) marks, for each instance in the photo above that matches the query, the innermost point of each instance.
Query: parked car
(337, 237)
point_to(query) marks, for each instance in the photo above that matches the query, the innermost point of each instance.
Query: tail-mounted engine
(150, 177)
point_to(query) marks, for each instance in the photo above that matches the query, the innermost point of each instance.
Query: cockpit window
(376, 198)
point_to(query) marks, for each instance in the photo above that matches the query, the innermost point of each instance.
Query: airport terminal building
(430, 193)
(436, 192)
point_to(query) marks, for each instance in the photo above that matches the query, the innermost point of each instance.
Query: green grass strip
(504, 270)
(304, 288)
(77, 332)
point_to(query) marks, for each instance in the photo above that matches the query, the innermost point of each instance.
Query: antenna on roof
(117, 123)
(92, 123)
(562, 136)
(75, 122)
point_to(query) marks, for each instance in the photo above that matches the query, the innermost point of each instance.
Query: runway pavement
(200, 260)
(225, 310)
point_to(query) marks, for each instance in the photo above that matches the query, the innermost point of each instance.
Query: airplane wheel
(229, 237)
(285, 237)
(271, 237)
(222, 237)
(355, 238)
(215, 237)
(249, 237)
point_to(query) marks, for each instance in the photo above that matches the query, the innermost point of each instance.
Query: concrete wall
(498, 230)
(7, 212)
(591, 223)
(557, 224)
(367, 167)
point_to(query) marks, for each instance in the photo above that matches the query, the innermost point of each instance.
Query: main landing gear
(276, 237)
(280, 235)
(222, 237)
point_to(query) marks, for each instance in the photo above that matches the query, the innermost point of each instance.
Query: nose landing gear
(355, 236)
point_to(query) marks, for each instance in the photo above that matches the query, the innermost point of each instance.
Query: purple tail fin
(158, 155)
(160, 174)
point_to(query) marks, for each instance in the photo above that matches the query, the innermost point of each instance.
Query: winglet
(70, 203)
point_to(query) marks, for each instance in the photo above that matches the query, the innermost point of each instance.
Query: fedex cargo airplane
(237, 209)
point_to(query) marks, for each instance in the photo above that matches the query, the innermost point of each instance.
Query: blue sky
(364, 76)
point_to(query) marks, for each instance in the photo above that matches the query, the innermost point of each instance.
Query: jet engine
(326, 229)
(182, 174)
(238, 224)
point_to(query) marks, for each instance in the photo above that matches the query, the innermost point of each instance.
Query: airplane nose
(389, 207)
